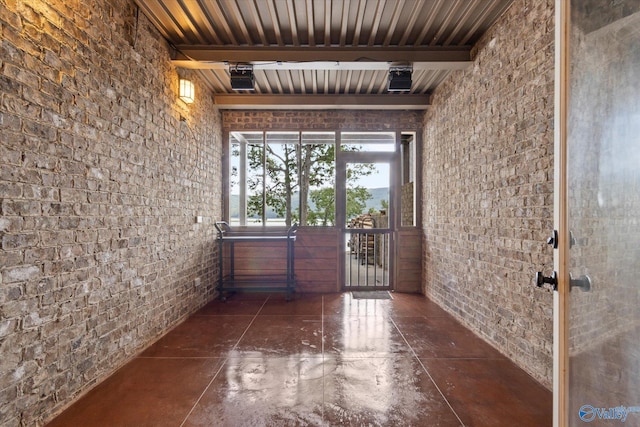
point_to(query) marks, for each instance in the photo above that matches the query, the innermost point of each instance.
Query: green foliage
(324, 203)
(324, 212)
(356, 201)
(278, 171)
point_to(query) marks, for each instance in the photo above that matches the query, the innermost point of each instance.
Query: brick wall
(100, 184)
(406, 204)
(343, 120)
(488, 188)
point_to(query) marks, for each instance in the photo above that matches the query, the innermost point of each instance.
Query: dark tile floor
(320, 360)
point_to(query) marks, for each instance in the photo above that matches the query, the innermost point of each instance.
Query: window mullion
(242, 177)
(300, 177)
(264, 178)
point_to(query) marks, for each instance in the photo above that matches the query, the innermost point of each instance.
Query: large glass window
(281, 178)
(317, 177)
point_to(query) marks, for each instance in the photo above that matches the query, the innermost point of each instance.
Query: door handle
(552, 280)
(582, 282)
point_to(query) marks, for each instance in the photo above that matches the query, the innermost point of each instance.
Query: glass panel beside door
(603, 214)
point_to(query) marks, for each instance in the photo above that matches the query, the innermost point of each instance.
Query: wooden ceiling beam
(322, 65)
(337, 102)
(205, 53)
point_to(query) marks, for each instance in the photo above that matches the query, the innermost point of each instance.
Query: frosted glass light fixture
(187, 91)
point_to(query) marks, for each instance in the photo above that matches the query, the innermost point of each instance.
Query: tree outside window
(278, 178)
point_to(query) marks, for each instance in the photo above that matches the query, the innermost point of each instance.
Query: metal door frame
(561, 297)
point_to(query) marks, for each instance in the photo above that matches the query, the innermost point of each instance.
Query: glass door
(365, 190)
(367, 232)
(598, 203)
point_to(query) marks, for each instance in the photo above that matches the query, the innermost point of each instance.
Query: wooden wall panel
(255, 259)
(317, 260)
(409, 261)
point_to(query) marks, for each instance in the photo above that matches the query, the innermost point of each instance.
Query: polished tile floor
(320, 360)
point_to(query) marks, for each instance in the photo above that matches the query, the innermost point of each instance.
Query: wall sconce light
(187, 91)
(399, 79)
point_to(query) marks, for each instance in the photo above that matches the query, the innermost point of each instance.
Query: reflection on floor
(320, 360)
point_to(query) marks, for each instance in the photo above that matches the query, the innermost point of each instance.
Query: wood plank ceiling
(323, 53)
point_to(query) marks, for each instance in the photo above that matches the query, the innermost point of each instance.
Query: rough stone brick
(11, 224)
(36, 254)
(21, 207)
(19, 241)
(21, 273)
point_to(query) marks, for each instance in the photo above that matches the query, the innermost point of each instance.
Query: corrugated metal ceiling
(323, 53)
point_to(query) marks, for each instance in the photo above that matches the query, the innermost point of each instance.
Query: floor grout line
(226, 359)
(427, 372)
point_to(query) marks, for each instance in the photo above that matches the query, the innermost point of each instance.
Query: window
(278, 178)
(368, 141)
